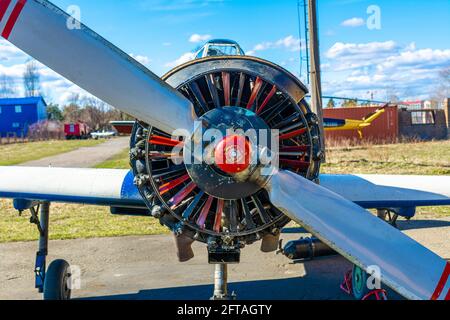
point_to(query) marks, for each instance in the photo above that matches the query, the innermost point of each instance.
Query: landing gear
(389, 216)
(221, 283)
(54, 281)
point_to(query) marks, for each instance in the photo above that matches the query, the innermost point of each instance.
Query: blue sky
(403, 57)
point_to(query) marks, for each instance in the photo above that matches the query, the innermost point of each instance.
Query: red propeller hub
(232, 154)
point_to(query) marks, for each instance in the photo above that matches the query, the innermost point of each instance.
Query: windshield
(223, 50)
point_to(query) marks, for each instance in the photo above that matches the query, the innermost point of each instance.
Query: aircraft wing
(390, 191)
(114, 187)
(88, 186)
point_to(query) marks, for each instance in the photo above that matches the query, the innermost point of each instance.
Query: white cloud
(353, 22)
(417, 59)
(383, 67)
(141, 59)
(196, 38)
(289, 43)
(188, 56)
(9, 52)
(56, 88)
(352, 55)
(340, 49)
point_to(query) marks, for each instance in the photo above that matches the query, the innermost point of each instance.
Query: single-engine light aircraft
(229, 204)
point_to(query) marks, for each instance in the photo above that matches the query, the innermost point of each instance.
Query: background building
(18, 114)
(398, 122)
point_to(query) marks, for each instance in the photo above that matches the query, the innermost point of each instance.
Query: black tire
(56, 281)
(359, 283)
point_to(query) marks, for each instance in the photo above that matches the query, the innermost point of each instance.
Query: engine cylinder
(221, 204)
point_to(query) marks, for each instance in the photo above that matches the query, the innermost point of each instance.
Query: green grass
(422, 158)
(71, 221)
(80, 221)
(119, 161)
(13, 154)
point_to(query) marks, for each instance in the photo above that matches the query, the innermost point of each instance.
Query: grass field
(13, 154)
(120, 161)
(79, 221)
(424, 158)
(74, 221)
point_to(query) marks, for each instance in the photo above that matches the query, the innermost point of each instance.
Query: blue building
(17, 114)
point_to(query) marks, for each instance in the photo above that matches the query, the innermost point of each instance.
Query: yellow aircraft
(351, 124)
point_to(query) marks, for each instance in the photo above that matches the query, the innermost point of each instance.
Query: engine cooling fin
(272, 95)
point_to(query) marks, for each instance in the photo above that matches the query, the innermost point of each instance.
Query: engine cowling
(224, 204)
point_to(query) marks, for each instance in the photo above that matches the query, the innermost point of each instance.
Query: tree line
(95, 113)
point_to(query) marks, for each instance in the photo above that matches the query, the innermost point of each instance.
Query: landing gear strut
(52, 282)
(389, 216)
(41, 256)
(221, 283)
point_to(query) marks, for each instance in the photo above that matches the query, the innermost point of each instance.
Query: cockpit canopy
(220, 47)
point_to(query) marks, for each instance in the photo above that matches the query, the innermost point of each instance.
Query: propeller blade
(55, 39)
(406, 266)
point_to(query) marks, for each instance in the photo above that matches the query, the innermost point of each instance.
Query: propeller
(405, 265)
(42, 30)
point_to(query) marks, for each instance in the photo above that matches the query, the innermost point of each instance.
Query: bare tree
(72, 113)
(349, 103)
(443, 90)
(6, 87)
(92, 111)
(31, 79)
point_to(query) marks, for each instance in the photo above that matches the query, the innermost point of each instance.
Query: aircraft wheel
(56, 281)
(359, 283)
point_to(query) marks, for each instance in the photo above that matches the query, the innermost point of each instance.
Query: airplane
(331, 124)
(229, 204)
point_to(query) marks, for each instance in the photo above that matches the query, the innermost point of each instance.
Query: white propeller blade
(47, 33)
(406, 266)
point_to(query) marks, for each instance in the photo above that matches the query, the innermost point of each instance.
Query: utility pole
(314, 53)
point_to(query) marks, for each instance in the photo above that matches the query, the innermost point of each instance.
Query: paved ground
(84, 157)
(146, 268)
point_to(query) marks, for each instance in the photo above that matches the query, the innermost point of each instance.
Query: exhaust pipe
(270, 243)
(307, 249)
(183, 245)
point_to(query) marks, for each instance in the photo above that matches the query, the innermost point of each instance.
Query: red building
(383, 129)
